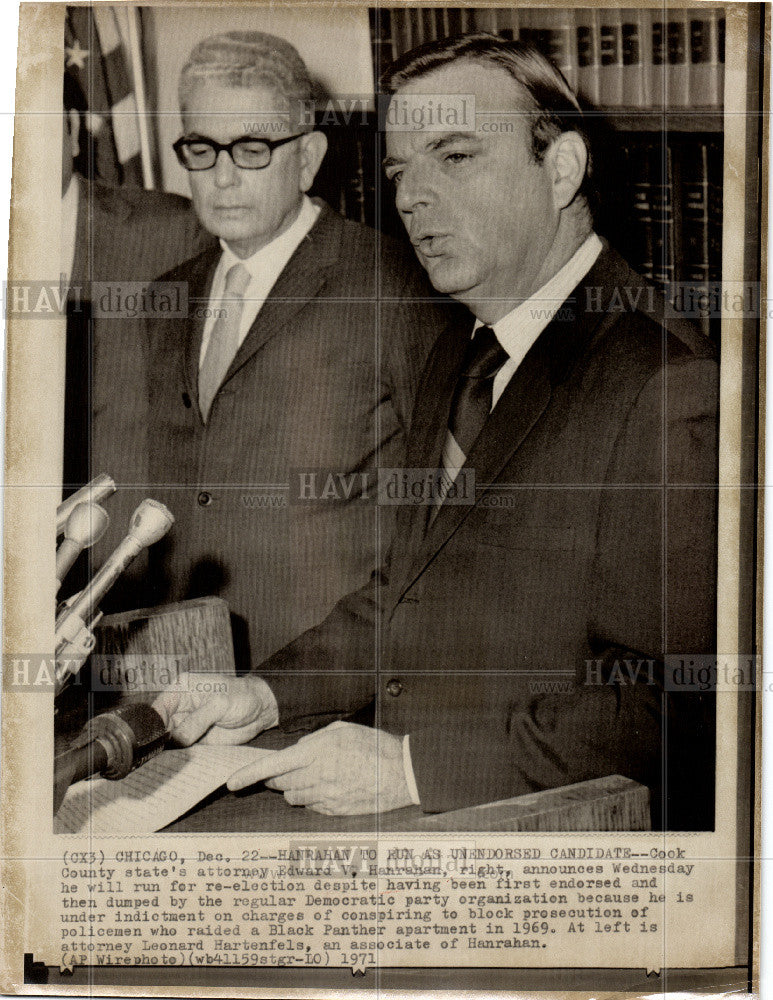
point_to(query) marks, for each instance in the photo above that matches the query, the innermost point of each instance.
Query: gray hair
(246, 59)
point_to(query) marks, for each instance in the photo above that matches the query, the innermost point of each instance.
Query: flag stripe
(117, 76)
(127, 139)
(107, 29)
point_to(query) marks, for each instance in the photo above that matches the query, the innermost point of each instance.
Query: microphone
(112, 745)
(96, 491)
(73, 635)
(149, 523)
(85, 526)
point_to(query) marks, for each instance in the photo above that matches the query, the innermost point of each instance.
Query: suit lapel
(300, 281)
(428, 424)
(520, 407)
(200, 285)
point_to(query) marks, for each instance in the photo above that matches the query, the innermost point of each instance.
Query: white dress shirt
(264, 266)
(517, 332)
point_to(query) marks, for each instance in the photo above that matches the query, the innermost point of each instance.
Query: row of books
(674, 199)
(636, 58)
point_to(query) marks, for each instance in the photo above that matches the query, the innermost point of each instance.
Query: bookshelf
(636, 120)
(635, 58)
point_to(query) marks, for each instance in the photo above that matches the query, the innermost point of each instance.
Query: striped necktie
(471, 403)
(223, 338)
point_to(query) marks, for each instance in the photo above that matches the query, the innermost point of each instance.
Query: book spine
(678, 67)
(700, 61)
(382, 37)
(611, 61)
(415, 26)
(721, 61)
(356, 185)
(641, 208)
(524, 29)
(402, 30)
(509, 23)
(695, 224)
(588, 54)
(426, 20)
(467, 21)
(662, 217)
(706, 58)
(483, 19)
(557, 39)
(366, 172)
(441, 22)
(635, 72)
(715, 174)
(657, 85)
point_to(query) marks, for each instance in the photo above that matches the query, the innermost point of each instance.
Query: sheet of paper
(153, 795)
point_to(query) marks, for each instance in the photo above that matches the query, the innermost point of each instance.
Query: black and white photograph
(382, 522)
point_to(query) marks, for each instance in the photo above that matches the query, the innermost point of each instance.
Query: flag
(95, 58)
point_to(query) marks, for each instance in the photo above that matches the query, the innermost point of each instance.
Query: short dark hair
(554, 106)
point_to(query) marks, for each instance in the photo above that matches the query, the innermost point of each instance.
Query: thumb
(188, 727)
(165, 704)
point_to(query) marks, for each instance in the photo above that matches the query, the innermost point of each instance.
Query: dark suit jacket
(325, 379)
(123, 234)
(129, 234)
(592, 541)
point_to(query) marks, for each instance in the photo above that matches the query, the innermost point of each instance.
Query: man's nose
(414, 190)
(226, 171)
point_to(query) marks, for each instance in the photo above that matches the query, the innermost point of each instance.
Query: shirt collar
(277, 253)
(527, 321)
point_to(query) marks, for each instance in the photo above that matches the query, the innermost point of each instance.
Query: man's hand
(217, 708)
(341, 770)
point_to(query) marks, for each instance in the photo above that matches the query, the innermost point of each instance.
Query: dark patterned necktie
(473, 395)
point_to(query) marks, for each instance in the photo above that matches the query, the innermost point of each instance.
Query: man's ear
(313, 149)
(567, 158)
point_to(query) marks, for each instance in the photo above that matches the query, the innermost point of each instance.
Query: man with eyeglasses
(305, 338)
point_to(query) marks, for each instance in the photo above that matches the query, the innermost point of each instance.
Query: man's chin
(447, 276)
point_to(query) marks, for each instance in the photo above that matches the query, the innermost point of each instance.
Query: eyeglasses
(247, 154)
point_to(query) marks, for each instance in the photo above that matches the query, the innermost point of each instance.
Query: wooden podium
(136, 648)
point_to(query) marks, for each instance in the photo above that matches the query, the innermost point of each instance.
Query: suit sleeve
(651, 593)
(331, 670)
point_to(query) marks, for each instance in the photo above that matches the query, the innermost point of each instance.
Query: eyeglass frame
(219, 147)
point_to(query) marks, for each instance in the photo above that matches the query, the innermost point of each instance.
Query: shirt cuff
(410, 777)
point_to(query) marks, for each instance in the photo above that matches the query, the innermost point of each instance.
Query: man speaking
(494, 639)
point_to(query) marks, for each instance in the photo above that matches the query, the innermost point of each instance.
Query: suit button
(394, 687)
(204, 499)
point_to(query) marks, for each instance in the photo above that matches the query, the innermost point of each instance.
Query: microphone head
(86, 524)
(96, 491)
(150, 522)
